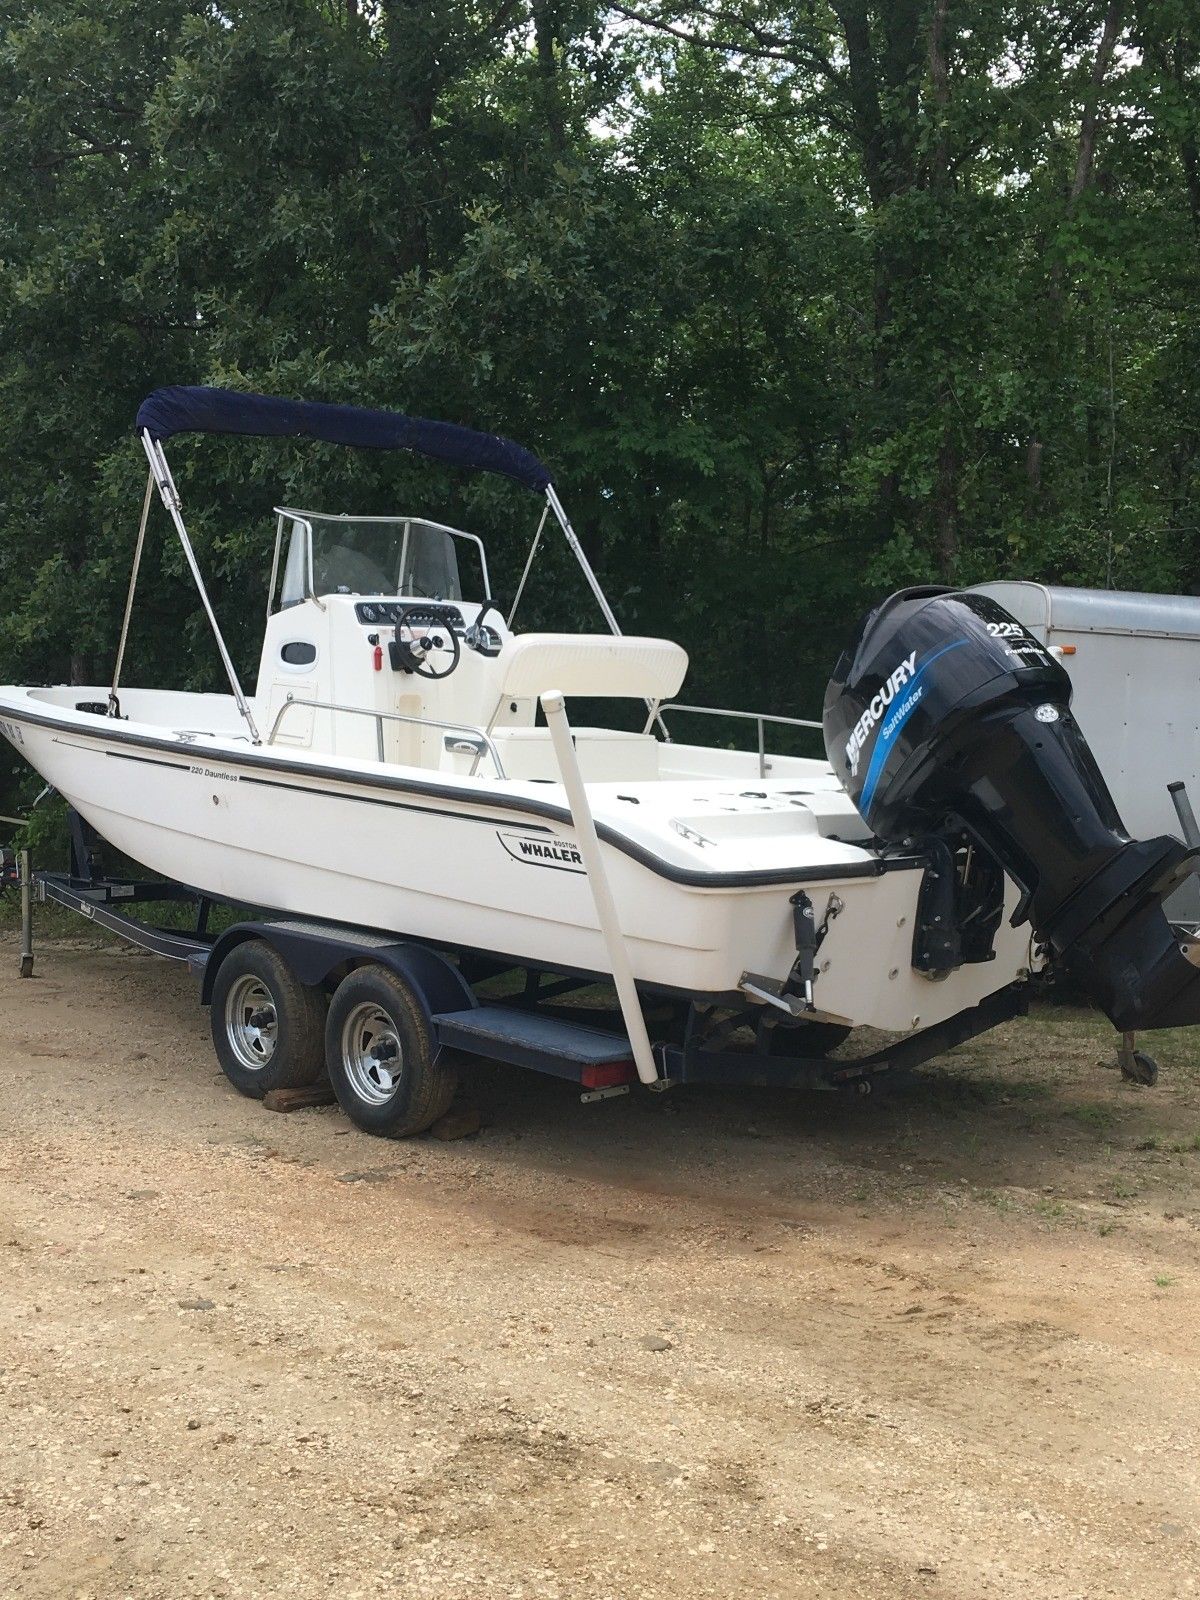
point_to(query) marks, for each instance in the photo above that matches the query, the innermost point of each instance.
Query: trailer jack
(1135, 1064)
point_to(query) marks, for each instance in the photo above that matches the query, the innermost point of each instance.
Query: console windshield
(369, 555)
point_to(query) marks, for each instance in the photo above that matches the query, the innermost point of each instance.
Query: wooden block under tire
(461, 1121)
(313, 1094)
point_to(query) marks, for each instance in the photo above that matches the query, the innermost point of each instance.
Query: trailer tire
(268, 1028)
(382, 1057)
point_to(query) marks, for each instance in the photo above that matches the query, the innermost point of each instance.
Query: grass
(1163, 1280)
(1027, 1089)
(1094, 1115)
(1171, 1146)
(1071, 1032)
(1049, 1210)
(949, 1220)
(55, 922)
(976, 1088)
(50, 921)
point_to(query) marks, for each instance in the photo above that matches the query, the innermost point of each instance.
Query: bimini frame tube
(572, 539)
(533, 550)
(170, 499)
(114, 705)
(593, 582)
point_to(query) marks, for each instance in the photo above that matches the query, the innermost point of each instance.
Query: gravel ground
(939, 1343)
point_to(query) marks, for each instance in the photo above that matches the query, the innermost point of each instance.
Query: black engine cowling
(946, 714)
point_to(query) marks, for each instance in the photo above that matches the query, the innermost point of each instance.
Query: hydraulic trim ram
(946, 717)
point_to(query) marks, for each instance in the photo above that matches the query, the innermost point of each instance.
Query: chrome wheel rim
(372, 1055)
(251, 1022)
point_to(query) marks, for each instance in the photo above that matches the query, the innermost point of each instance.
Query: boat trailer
(291, 998)
(525, 1024)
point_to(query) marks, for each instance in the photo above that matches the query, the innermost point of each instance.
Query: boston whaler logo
(878, 705)
(542, 850)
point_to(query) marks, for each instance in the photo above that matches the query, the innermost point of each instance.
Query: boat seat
(606, 755)
(591, 664)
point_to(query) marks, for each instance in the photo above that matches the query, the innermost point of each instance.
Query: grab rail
(390, 716)
(759, 717)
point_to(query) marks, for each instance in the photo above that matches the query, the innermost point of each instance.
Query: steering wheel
(414, 653)
(475, 635)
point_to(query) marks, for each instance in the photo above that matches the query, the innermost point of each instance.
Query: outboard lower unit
(946, 719)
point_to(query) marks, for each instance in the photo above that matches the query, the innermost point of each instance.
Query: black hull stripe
(686, 876)
(359, 799)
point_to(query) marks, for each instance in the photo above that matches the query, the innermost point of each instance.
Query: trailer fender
(314, 954)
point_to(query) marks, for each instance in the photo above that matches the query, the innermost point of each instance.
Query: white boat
(403, 764)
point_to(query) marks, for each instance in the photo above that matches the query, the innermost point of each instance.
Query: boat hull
(482, 868)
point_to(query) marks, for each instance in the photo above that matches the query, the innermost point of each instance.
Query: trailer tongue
(947, 721)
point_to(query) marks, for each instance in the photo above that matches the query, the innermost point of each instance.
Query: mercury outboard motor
(946, 718)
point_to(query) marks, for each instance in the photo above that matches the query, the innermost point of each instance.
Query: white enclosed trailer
(1134, 663)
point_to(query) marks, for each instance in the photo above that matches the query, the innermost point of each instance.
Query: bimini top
(197, 410)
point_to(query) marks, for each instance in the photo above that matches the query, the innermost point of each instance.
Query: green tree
(800, 301)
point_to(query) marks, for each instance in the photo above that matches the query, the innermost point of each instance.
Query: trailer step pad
(548, 1044)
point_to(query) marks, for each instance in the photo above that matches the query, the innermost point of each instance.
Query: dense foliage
(800, 302)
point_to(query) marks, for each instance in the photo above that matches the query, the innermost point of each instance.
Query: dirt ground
(938, 1343)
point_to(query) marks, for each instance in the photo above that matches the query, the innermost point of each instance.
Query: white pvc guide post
(554, 705)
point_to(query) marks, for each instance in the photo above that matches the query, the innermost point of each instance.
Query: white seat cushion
(592, 664)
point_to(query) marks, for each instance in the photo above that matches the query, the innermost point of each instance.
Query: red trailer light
(607, 1073)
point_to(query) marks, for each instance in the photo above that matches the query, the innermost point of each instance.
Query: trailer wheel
(380, 1052)
(268, 1027)
(1138, 1067)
